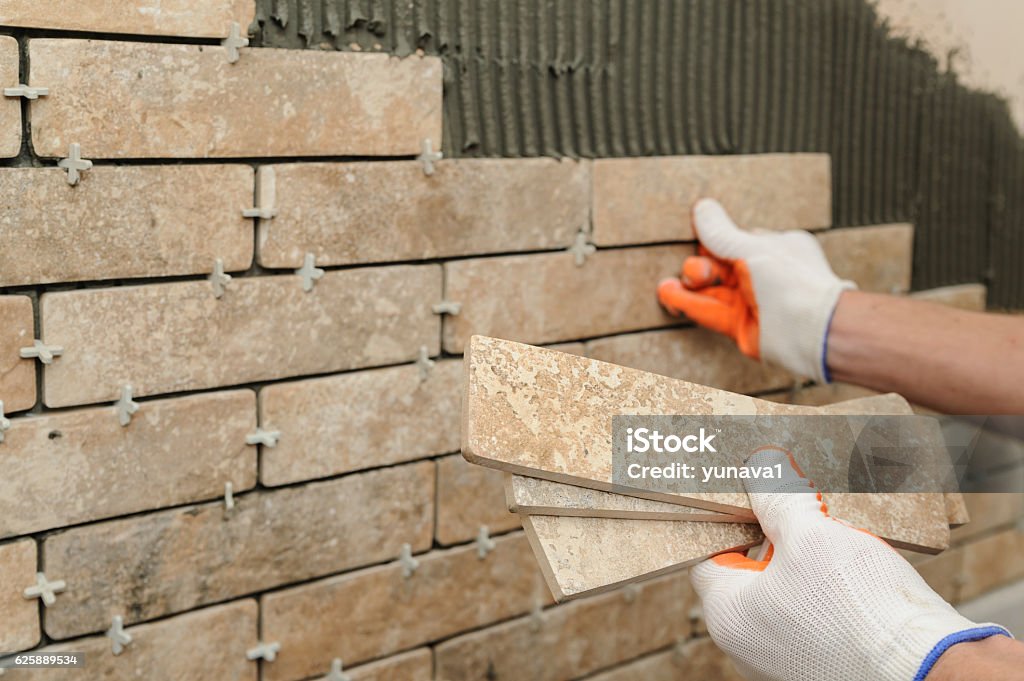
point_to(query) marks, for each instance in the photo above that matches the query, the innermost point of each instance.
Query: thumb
(718, 233)
(722, 575)
(783, 503)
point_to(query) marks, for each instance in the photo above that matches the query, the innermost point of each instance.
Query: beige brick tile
(546, 298)
(822, 394)
(150, 100)
(992, 562)
(644, 200)
(17, 375)
(988, 510)
(575, 639)
(375, 612)
(878, 258)
(190, 18)
(19, 626)
(262, 328)
(384, 211)
(415, 665)
(942, 572)
(469, 496)
(126, 221)
(205, 644)
(10, 107)
(359, 420)
(962, 296)
(167, 562)
(106, 470)
(694, 354)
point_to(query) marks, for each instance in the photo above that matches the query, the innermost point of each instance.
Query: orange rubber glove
(773, 293)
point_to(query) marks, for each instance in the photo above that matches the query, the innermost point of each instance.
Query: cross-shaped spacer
(39, 350)
(265, 651)
(309, 272)
(118, 636)
(25, 91)
(580, 249)
(428, 157)
(45, 589)
(234, 41)
(74, 163)
(336, 673)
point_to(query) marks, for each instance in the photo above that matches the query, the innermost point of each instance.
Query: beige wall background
(981, 40)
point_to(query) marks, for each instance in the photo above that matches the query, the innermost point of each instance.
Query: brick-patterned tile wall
(229, 463)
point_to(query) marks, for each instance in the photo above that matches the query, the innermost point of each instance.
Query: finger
(718, 233)
(707, 310)
(701, 271)
(724, 574)
(781, 497)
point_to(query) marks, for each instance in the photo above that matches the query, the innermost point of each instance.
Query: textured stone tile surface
(382, 211)
(992, 562)
(696, 659)
(692, 354)
(963, 296)
(161, 563)
(819, 395)
(10, 107)
(644, 200)
(544, 497)
(190, 18)
(205, 644)
(943, 572)
(546, 414)
(878, 258)
(174, 452)
(17, 375)
(120, 222)
(188, 101)
(579, 556)
(540, 298)
(469, 496)
(987, 511)
(415, 665)
(19, 626)
(377, 611)
(574, 639)
(359, 420)
(262, 328)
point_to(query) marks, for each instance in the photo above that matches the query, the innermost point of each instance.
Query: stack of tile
(544, 417)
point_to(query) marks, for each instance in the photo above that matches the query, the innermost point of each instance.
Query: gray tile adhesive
(600, 78)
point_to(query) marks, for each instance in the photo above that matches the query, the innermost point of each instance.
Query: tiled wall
(329, 402)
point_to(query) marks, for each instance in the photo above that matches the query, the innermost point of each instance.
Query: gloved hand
(773, 293)
(832, 602)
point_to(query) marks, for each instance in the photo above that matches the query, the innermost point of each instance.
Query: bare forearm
(996, 658)
(954, 361)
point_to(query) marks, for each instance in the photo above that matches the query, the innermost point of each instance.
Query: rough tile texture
(515, 297)
(534, 496)
(382, 211)
(644, 200)
(547, 414)
(987, 511)
(359, 420)
(818, 395)
(469, 496)
(696, 659)
(580, 556)
(206, 644)
(120, 222)
(191, 18)
(173, 452)
(17, 375)
(943, 572)
(450, 591)
(167, 562)
(10, 107)
(992, 562)
(878, 258)
(604, 631)
(415, 665)
(964, 296)
(694, 354)
(19, 626)
(190, 102)
(262, 328)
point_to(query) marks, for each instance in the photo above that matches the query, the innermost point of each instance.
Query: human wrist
(994, 657)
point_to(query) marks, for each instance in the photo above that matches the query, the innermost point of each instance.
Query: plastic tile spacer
(631, 591)
(424, 362)
(336, 673)
(428, 157)
(74, 163)
(581, 248)
(447, 307)
(5, 423)
(309, 272)
(229, 496)
(118, 636)
(219, 279)
(264, 651)
(537, 616)
(484, 543)
(267, 438)
(45, 589)
(266, 195)
(126, 406)
(234, 41)
(408, 563)
(25, 91)
(41, 351)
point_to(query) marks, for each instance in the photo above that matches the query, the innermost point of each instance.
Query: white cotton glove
(773, 293)
(832, 602)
